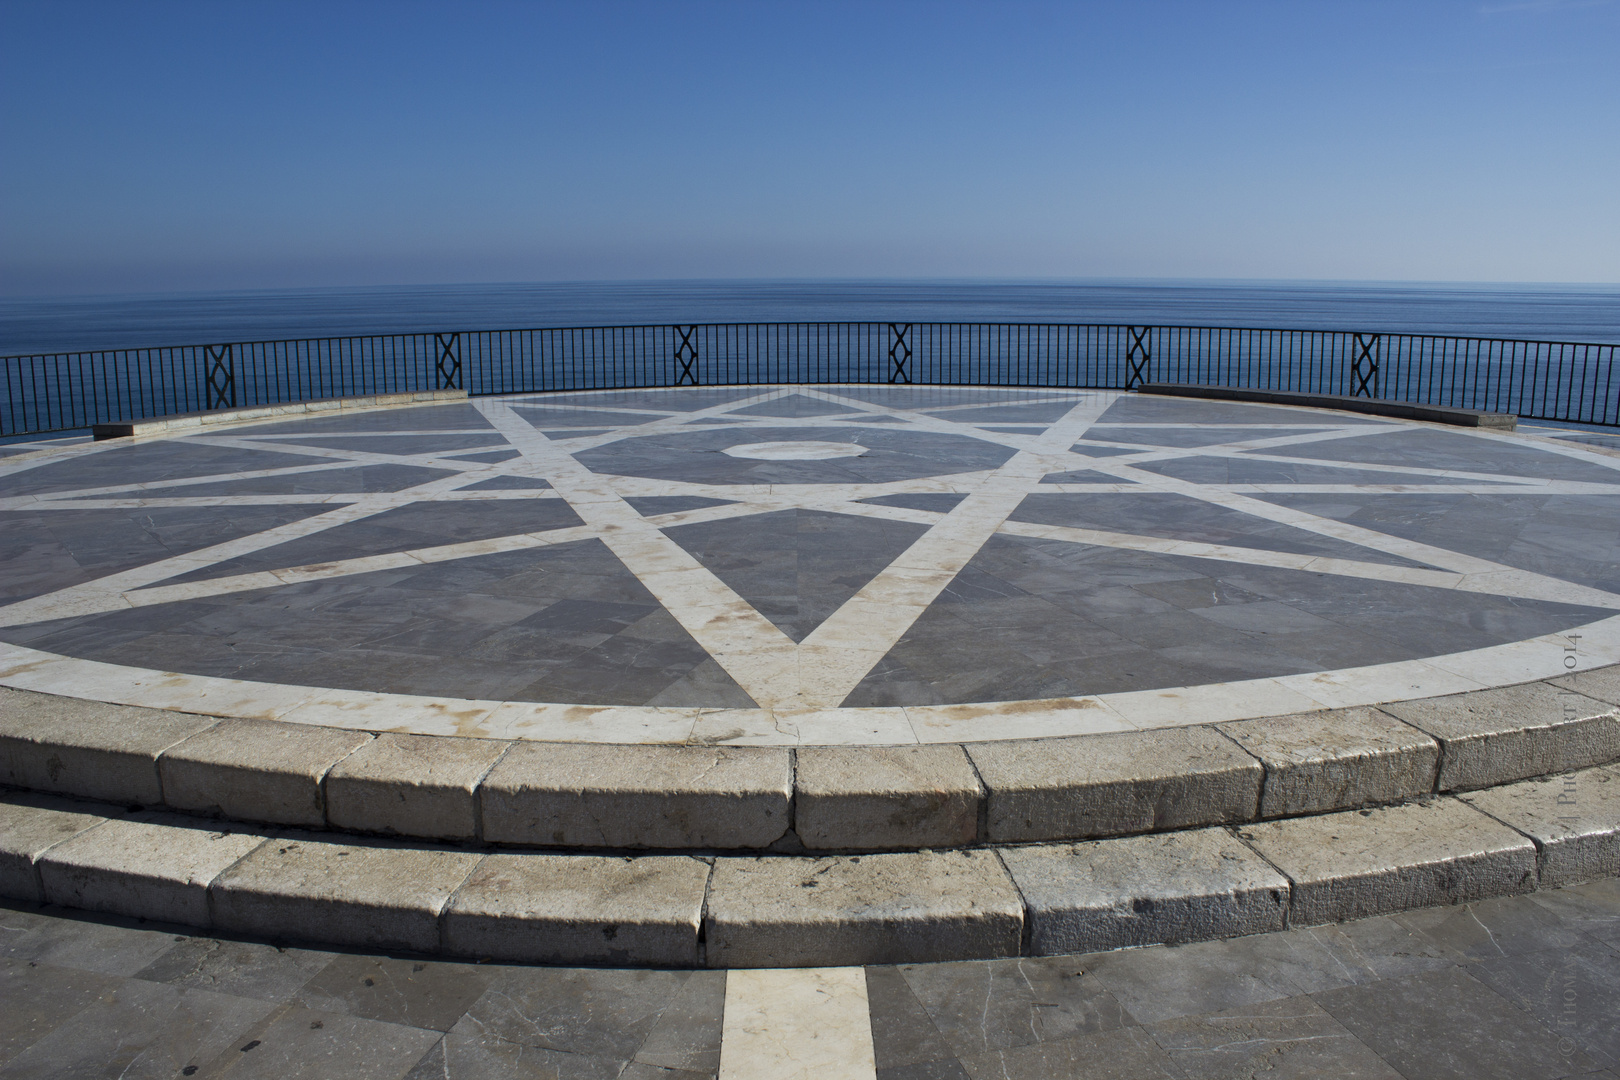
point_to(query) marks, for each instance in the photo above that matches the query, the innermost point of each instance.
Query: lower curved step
(790, 911)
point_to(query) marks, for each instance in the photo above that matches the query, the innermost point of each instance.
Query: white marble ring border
(1592, 645)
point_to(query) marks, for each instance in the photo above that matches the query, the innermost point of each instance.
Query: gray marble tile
(163, 459)
(937, 501)
(405, 443)
(793, 405)
(1188, 437)
(39, 998)
(652, 505)
(509, 483)
(104, 944)
(1124, 1054)
(242, 968)
(1151, 409)
(1506, 926)
(295, 1043)
(356, 480)
(416, 993)
(562, 417)
(1346, 954)
(1449, 450)
(903, 1034)
(1574, 990)
(458, 417)
(1045, 411)
(1287, 1039)
(1160, 983)
(1447, 1024)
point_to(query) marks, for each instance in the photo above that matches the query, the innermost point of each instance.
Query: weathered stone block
(1106, 785)
(30, 826)
(158, 867)
(580, 909)
(913, 907)
(1145, 890)
(582, 794)
(1574, 820)
(1492, 737)
(875, 798)
(1337, 759)
(1371, 862)
(379, 896)
(88, 748)
(414, 785)
(256, 770)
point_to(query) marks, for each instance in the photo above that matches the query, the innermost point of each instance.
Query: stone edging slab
(632, 797)
(1401, 410)
(813, 910)
(182, 422)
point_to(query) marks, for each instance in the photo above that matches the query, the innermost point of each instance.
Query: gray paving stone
(576, 794)
(580, 909)
(40, 998)
(1104, 785)
(30, 827)
(1336, 759)
(1145, 890)
(1288, 1039)
(1370, 862)
(106, 944)
(1446, 1024)
(381, 896)
(1125, 1054)
(1505, 926)
(156, 868)
(1493, 737)
(1574, 820)
(873, 909)
(297, 1043)
(1574, 990)
(396, 990)
(875, 798)
(903, 1033)
(243, 968)
(253, 770)
(415, 785)
(87, 748)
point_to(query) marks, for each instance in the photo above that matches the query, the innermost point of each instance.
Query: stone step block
(599, 795)
(1337, 759)
(1490, 737)
(1574, 820)
(257, 770)
(837, 911)
(30, 826)
(415, 785)
(1116, 783)
(88, 748)
(876, 798)
(378, 896)
(580, 909)
(1145, 890)
(156, 867)
(1372, 862)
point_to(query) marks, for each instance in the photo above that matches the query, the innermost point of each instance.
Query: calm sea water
(1546, 312)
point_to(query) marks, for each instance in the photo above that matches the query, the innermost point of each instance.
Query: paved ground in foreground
(1521, 987)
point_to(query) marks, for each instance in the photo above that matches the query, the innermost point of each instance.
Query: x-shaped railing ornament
(1138, 354)
(899, 353)
(1364, 381)
(449, 360)
(686, 354)
(220, 370)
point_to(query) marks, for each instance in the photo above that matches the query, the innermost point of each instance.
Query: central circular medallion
(795, 451)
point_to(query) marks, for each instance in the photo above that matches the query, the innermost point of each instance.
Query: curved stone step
(594, 796)
(812, 910)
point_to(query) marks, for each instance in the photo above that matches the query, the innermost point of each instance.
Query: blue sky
(153, 146)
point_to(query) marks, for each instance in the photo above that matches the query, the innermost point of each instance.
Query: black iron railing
(1547, 380)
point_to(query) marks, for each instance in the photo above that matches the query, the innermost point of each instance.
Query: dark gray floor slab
(1152, 409)
(793, 405)
(1574, 991)
(1048, 412)
(939, 502)
(1087, 450)
(404, 528)
(1448, 1025)
(1451, 450)
(1572, 537)
(1242, 470)
(353, 480)
(686, 399)
(563, 417)
(1182, 517)
(242, 968)
(1506, 927)
(418, 993)
(891, 454)
(1348, 954)
(457, 417)
(493, 457)
(166, 459)
(1289, 1039)
(934, 397)
(563, 623)
(294, 1043)
(905, 1041)
(39, 998)
(46, 550)
(509, 483)
(103, 944)
(1165, 982)
(652, 505)
(1188, 437)
(404, 443)
(1123, 1054)
(796, 567)
(573, 433)
(1084, 476)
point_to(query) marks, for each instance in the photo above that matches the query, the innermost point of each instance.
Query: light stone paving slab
(1337, 759)
(1495, 736)
(580, 909)
(1104, 785)
(156, 867)
(30, 825)
(876, 798)
(811, 1024)
(1372, 862)
(1573, 818)
(575, 795)
(417, 785)
(914, 907)
(1145, 890)
(255, 770)
(88, 748)
(373, 895)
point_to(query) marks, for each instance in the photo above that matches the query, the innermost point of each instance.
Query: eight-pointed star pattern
(809, 563)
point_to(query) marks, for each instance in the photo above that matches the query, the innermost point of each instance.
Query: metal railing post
(219, 366)
(899, 353)
(1364, 379)
(686, 355)
(1138, 355)
(448, 363)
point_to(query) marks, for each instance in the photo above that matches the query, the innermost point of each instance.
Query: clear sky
(154, 145)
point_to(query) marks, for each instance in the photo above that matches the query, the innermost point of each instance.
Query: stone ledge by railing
(1402, 410)
(191, 421)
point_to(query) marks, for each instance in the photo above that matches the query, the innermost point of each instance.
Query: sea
(55, 324)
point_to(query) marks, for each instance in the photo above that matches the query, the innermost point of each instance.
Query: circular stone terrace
(809, 565)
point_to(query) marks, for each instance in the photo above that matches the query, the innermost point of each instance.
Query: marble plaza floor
(1519, 988)
(832, 564)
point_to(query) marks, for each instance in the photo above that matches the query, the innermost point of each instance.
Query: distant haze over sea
(1549, 312)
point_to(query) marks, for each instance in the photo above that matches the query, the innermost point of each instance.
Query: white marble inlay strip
(797, 1024)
